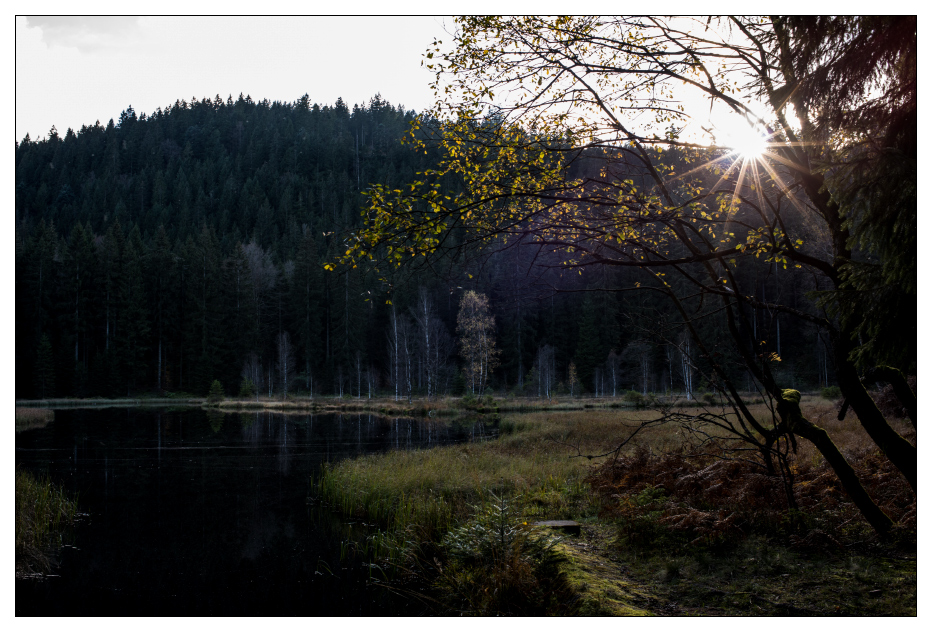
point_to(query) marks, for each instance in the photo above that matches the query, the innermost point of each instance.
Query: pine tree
(133, 322)
(215, 395)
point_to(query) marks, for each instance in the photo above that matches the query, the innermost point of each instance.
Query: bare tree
(423, 313)
(285, 354)
(358, 374)
(401, 346)
(686, 365)
(546, 371)
(639, 353)
(613, 368)
(393, 346)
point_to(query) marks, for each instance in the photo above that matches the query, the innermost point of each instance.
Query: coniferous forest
(599, 364)
(161, 252)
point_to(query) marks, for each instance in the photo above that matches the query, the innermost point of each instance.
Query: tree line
(165, 251)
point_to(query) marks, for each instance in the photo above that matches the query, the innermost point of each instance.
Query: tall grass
(431, 487)
(43, 511)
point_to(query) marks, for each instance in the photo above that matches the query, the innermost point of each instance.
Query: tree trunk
(788, 408)
(900, 451)
(846, 474)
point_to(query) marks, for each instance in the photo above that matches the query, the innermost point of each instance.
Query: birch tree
(476, 328)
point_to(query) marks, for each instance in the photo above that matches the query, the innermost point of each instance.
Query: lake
(194, 512)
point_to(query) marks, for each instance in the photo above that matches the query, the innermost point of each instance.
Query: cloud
(86, 33)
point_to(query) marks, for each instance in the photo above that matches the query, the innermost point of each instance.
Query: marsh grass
(418, 497)
(680, 524)
(43, 512)
(28, 418)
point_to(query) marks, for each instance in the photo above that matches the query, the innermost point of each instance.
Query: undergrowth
(675, 500)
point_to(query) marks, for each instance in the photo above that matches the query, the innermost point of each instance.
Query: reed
(43, 511)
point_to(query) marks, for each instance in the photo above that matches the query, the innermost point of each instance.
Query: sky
(73, 71)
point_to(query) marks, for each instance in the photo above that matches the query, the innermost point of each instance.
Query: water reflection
(194, 512)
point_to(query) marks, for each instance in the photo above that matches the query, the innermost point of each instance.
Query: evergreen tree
(590, 352)
(45, 368)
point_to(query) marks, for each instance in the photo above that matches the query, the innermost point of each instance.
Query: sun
(749, 144)
(742, 139)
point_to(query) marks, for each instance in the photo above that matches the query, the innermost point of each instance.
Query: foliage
(831, 392)
(42, 513)
(498, 564)
(635, 398)
(675, 499)
(216, 394)
(475, 325)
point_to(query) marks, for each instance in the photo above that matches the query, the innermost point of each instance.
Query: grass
(43, 511)
(27, 418)
(663, 532)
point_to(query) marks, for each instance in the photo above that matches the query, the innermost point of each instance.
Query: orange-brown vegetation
(703, 499)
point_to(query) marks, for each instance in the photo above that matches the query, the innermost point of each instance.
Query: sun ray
(783, 186)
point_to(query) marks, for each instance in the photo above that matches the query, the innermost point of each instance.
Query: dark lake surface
(194, 513)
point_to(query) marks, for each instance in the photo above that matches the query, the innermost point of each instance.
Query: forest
(598, 364)
(161, 252)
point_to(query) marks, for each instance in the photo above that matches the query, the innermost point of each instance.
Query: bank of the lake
(662, 532)
(445, 406)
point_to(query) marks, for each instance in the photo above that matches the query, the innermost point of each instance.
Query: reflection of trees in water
(215, 419)
(344, 434)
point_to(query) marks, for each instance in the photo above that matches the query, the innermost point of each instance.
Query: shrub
(496, 563)
(634, 397)
(831, 392)
(216, 394)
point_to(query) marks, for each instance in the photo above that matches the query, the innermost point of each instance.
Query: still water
(195, 513)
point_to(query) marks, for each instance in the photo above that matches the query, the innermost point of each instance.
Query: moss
(602, 588)
(592, 570)
(792, 395)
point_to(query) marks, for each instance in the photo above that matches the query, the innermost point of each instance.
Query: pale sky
(73, 71)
